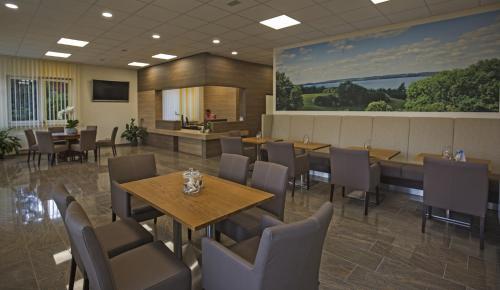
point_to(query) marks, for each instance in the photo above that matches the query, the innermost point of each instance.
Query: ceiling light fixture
(280, 22)
(155, 36)
(107, 14)
(72, 42)
(11, 6)
(216, 41)
(234, 53)
(139, 64)
(378, 1)
(164, 56)
(58, 54)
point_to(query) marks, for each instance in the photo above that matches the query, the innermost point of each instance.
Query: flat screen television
(109, 91)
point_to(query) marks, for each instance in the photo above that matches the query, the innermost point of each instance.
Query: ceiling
(188, 26)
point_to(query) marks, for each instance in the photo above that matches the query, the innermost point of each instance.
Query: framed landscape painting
(446, 66)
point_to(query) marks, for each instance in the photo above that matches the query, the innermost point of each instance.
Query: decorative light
(58, 54)
(280, 22)
(164, 56)
(216, 41)
(72, 42)
(234, 53)
(156, 36)
(11, 6)
(139, 64)
(107, 14)
(378, 1)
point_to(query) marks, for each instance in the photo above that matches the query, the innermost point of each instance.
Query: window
(35, 102)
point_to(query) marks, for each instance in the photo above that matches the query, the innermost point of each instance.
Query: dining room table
(419, 159)
(375, 153)
(217, 200)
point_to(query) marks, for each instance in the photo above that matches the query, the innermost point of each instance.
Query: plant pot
(70, 131)
(134, 143)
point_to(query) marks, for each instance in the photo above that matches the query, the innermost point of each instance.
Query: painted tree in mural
(472, 89)
(288, 96)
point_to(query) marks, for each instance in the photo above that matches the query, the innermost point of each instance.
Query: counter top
(187, 133)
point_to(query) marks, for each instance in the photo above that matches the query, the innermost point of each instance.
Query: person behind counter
(209, 116)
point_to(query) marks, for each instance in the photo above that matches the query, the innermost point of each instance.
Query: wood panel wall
(222, 101)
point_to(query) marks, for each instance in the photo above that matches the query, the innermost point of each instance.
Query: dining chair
(456, 186)
(108, 142)
(234, 145)
(283, 257)
(266, 176)
(57, 129)
(92, 127)
(47, 146)
(32, 146)
(284, 153)
(86, 143)
(150, 266)
(351, 169)
(116, 238)
(234, 167)
(126, 169)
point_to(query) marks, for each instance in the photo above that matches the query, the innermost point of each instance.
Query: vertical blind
(32, 92)
(187, 102)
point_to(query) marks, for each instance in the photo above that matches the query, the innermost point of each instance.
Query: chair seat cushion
(243, 225)
(141, 211)
(152, 266)
(247, 249)
(34, 147)
(121, 236)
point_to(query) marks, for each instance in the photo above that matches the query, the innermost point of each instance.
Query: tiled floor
(382, 251)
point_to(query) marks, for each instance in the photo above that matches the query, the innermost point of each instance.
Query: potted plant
(8, 143)
(134, 133)
(71, 123)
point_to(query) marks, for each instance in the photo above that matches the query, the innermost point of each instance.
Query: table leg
(257, 153)
(211, 231)
(178, 239)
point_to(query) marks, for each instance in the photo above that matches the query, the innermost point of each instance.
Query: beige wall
(222, 101)
(106, 115)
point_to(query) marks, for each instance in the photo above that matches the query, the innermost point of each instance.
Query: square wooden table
(258, 142)
(309, 146)
(218, 199)
(375, 153)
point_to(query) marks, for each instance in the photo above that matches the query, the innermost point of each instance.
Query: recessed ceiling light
(72, 42)
(378, 1)
(58, 54)
(234, 53)
(11, 6)
(164, 56)
(280, 22)
(107, 14)
(156, 36)
(216, 41)
(140, 64)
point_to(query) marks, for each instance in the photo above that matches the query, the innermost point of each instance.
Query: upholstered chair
(231, 145)
(92, 127)
(352, 169)
(86, 143)
(266, 176)
(111, 142)
(456, 186)
(47, 146)
(116, 238)
(283, 257)
(150, 266)
(234, 167)
(284, 153)
(32, 146)
(126, 169)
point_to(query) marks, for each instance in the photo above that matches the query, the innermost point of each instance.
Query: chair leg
(367, 201)
(190, 234)
(95, 155)
(377, 195)
(29, 155)
(39, 157)
(155, 221)
(81, 156)
(429, 212)
(53, 159)
(34, 155)
(85, 283)
(308, 177)
(424, 218)
(332, 189)
(343, 191)
(72, 273)
(293, 187)
(113, 216)
(481, 233)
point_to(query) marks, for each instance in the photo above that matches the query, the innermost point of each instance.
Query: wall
(106, 115)
(222, 101)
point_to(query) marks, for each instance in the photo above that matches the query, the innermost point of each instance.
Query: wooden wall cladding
(147, 109)
(222, 101)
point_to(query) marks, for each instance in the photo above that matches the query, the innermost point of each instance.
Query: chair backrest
(30, 137)
(87, 139)
(234, 133)
(57, 129)
(231, 145)
(234, 167)
(86, 243)
(113, 135)
(62, 198)
(45, 143)
(132, 167)
(350, 168)
(293, 251)
(92, 127)
(282, 153)
(457, 186)
(272, 178)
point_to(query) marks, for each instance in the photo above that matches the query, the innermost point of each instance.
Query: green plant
(134, 133)
(8, 143)
(72, 123)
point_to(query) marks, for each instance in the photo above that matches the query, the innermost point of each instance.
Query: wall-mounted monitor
(109, 91)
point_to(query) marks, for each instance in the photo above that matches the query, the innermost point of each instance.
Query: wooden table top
(218, 199)
(309, 146)
(376, 153)
(259, 141)
(420, 159)
(64, 136)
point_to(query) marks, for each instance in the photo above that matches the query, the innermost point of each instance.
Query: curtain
(33, 91)
(191, 103)
(171, 105)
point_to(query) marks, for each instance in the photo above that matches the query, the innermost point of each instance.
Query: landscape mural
(446, 66)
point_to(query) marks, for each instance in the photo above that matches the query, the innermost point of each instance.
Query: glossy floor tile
(384, 250)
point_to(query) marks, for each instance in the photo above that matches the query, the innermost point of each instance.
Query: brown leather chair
(352, 169)
(284, 153)
(108, 142)
(150, 266)
(125, 169)
(116, 238)
(47, 146)
(32, 146)
(456, 186)
(86, 143)
(234, 167)
(266, 176)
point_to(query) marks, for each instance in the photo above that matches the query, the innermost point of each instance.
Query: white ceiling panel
(235, 6)
(182, 6)
(208, 13)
